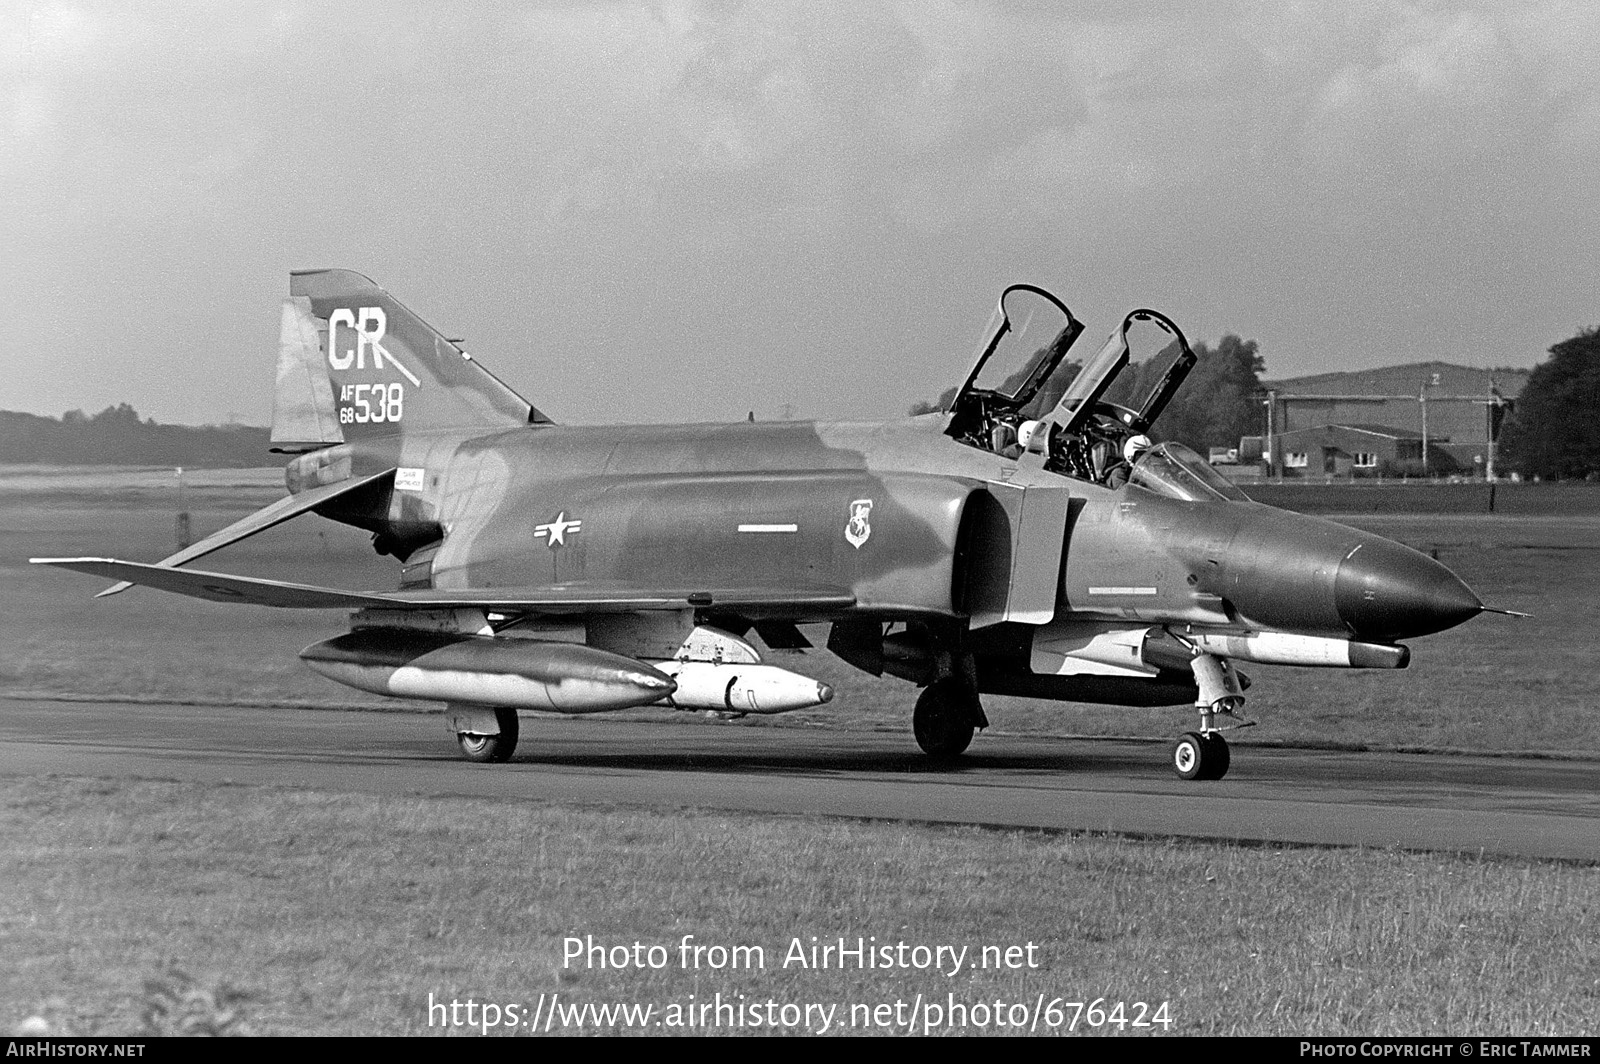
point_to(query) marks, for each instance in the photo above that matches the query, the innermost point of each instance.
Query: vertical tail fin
(354, 363)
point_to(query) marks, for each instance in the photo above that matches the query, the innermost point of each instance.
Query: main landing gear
(947, 713)
(485, 735)
(1203, 754)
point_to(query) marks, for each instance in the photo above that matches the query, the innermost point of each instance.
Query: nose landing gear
(1204, 755)
(1201, 756)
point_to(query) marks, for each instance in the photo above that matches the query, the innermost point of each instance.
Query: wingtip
(71, 563)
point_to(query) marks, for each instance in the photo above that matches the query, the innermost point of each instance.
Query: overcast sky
(684, 211)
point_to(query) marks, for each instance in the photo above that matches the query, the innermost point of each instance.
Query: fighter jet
(1026, 539)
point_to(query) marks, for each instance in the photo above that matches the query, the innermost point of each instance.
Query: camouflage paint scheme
(936, 556)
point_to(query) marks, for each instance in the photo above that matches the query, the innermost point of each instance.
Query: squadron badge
(858, 530)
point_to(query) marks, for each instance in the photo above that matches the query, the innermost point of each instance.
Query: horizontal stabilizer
(260, 521)
(572, 598)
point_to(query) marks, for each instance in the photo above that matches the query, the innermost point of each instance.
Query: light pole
(1494, 412)
(1269, 402)
(1422, 401)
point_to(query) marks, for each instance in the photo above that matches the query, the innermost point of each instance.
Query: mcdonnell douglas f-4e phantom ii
(1011, 543)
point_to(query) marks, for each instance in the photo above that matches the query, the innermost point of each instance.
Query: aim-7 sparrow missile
(1127, 651)
(742, 688)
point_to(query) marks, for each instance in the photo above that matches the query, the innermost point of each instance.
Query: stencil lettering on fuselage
(354, 336)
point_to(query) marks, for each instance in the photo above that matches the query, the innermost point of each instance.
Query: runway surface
(1495, 805)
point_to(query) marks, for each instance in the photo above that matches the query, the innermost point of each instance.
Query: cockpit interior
(1085, 420)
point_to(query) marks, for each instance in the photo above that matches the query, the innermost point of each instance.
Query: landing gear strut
(947, 713)
(1203, 755)
(482, 746)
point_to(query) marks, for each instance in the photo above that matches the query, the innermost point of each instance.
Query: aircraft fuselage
(883, 509)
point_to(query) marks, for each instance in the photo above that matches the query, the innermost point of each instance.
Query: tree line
(1554, 431)
(118, 436)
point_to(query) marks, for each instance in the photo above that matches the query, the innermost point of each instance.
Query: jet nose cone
(1385, 591)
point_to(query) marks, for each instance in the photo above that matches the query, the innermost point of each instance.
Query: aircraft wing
(217, 587)
(606, 598)
(260, 521)
(568, 598)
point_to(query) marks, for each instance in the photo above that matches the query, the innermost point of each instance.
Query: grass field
(1495, 683)
(340, 914)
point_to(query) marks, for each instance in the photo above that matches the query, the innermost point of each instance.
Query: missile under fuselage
(514, 673)
(1067, 647)
(742, 688)
(1285, 648)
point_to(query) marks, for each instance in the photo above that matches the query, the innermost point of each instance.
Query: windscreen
(1173, 470)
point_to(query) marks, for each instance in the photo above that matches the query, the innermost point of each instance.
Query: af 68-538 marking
(374, 403)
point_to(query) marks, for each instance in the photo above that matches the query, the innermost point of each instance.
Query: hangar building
(1422, 418)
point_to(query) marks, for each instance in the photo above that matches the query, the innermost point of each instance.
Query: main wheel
(492, 748)
(946, 714)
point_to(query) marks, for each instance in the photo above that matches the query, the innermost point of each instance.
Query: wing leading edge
(578, 598)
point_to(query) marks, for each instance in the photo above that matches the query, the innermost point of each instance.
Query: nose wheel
(1197, 756)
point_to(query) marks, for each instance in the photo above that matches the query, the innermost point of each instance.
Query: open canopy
(1133, 377)
(1023, 349)
(1024, 394)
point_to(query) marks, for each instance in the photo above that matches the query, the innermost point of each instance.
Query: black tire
(1218, 757)
(1190, 755)
(947, 713)
(492, 749)
(1200, 757)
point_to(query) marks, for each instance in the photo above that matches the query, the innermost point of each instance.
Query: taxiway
(1539, 808)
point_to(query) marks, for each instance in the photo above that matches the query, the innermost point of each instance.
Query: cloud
(1444, 91)
(578, 153)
